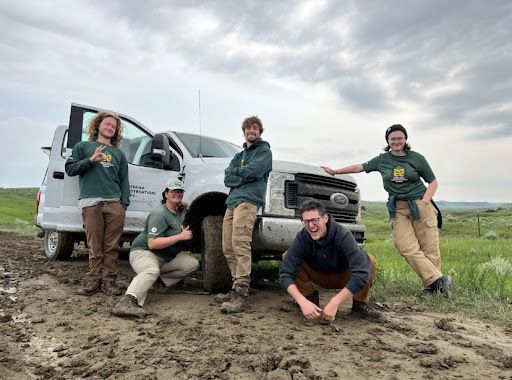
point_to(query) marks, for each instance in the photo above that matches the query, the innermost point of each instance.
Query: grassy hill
(18, 209)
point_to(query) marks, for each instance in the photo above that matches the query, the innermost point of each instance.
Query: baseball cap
(175, 184)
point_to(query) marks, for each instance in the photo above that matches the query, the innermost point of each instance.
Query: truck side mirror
(160, 151)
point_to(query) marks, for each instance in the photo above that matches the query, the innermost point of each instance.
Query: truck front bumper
(277, 234)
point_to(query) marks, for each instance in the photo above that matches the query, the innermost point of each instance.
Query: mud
(49, 332)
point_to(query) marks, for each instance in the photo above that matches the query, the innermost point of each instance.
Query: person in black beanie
(414, 216)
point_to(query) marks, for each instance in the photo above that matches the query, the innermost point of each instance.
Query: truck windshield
(207, 146)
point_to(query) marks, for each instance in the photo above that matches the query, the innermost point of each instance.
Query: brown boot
(110, 289)
(92, 287)
(365, 311)
(235, 305)
(224, 297)
(128, 307)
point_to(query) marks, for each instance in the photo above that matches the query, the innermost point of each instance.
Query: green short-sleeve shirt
(402, 174)
(161, 222)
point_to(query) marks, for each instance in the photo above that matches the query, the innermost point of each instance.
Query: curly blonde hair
(94, 125)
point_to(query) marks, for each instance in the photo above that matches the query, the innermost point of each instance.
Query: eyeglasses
(315, 221)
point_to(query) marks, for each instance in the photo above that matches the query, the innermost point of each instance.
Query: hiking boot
(128, 307)
(92, 287)
(111, 289)
(237, 304)
(365, 311)
(441, 285)
(224, 297)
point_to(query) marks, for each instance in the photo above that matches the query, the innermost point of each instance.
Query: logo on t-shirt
(399, 174)
(153, 229)
(106, 161)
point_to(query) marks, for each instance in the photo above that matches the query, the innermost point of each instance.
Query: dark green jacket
(105, 179)
(247, 174)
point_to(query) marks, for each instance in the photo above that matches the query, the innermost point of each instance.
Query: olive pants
(236, 244)
(418, 240)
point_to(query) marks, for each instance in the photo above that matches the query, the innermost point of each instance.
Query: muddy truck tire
(58, 245)
(216, 274)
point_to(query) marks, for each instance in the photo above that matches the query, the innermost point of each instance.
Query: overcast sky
(326, 78)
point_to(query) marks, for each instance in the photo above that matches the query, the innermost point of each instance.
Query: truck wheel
(58, 245)
(216, 274)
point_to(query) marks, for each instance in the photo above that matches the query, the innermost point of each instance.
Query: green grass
(481, 267)
(17, 209)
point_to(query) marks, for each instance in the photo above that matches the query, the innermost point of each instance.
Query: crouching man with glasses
(325, 253)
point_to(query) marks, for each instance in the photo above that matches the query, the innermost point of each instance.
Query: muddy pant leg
(147, 266)
(332, 280)
(244, 217)
(407, 244)
(113, 215)
(178, 268)
(427, 232)
(227, 242)
(94, 230)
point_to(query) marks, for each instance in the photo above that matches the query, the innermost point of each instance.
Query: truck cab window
(135, 143)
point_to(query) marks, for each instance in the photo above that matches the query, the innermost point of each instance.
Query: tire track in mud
(49, 332)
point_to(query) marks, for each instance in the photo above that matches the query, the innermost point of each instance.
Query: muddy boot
(92, 287)
(110, 289)
(365, 311)
(441, 285)
(224, 297)
(128, 307)
(237, 304)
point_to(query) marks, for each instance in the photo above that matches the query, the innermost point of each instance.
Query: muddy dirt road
(49, 332)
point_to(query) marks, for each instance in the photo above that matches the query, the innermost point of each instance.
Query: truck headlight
(274, 197)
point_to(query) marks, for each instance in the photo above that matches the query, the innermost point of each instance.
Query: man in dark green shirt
(104, 196)
(246, 176)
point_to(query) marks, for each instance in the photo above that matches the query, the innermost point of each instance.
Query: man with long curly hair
(104, 196)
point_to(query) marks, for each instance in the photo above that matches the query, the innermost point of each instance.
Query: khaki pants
(103, 228)
(418, 240)
(236, 244)
(149, 266)
(307, 276)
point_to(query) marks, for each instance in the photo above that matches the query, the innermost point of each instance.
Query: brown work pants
(307, 276)
(418, 240)
(103, 227)
(236, 244)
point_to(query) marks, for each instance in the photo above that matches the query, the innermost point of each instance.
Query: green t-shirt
(161, 222)
(402, 174)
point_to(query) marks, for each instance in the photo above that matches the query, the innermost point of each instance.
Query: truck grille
(310, 186)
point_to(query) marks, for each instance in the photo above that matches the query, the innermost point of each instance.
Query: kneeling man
(157, 251)
(326, 253)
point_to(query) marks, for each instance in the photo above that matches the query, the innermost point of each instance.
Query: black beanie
(394, 128)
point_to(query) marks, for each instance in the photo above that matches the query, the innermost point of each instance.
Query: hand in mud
(186, 234)
(98, 154)
(330, 310)
(310, 310)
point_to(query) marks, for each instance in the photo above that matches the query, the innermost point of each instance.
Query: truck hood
(218, 165)
(296, 167)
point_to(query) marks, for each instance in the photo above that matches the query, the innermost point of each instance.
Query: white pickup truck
(200, 162)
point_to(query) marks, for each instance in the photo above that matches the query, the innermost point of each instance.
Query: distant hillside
(448, 206)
